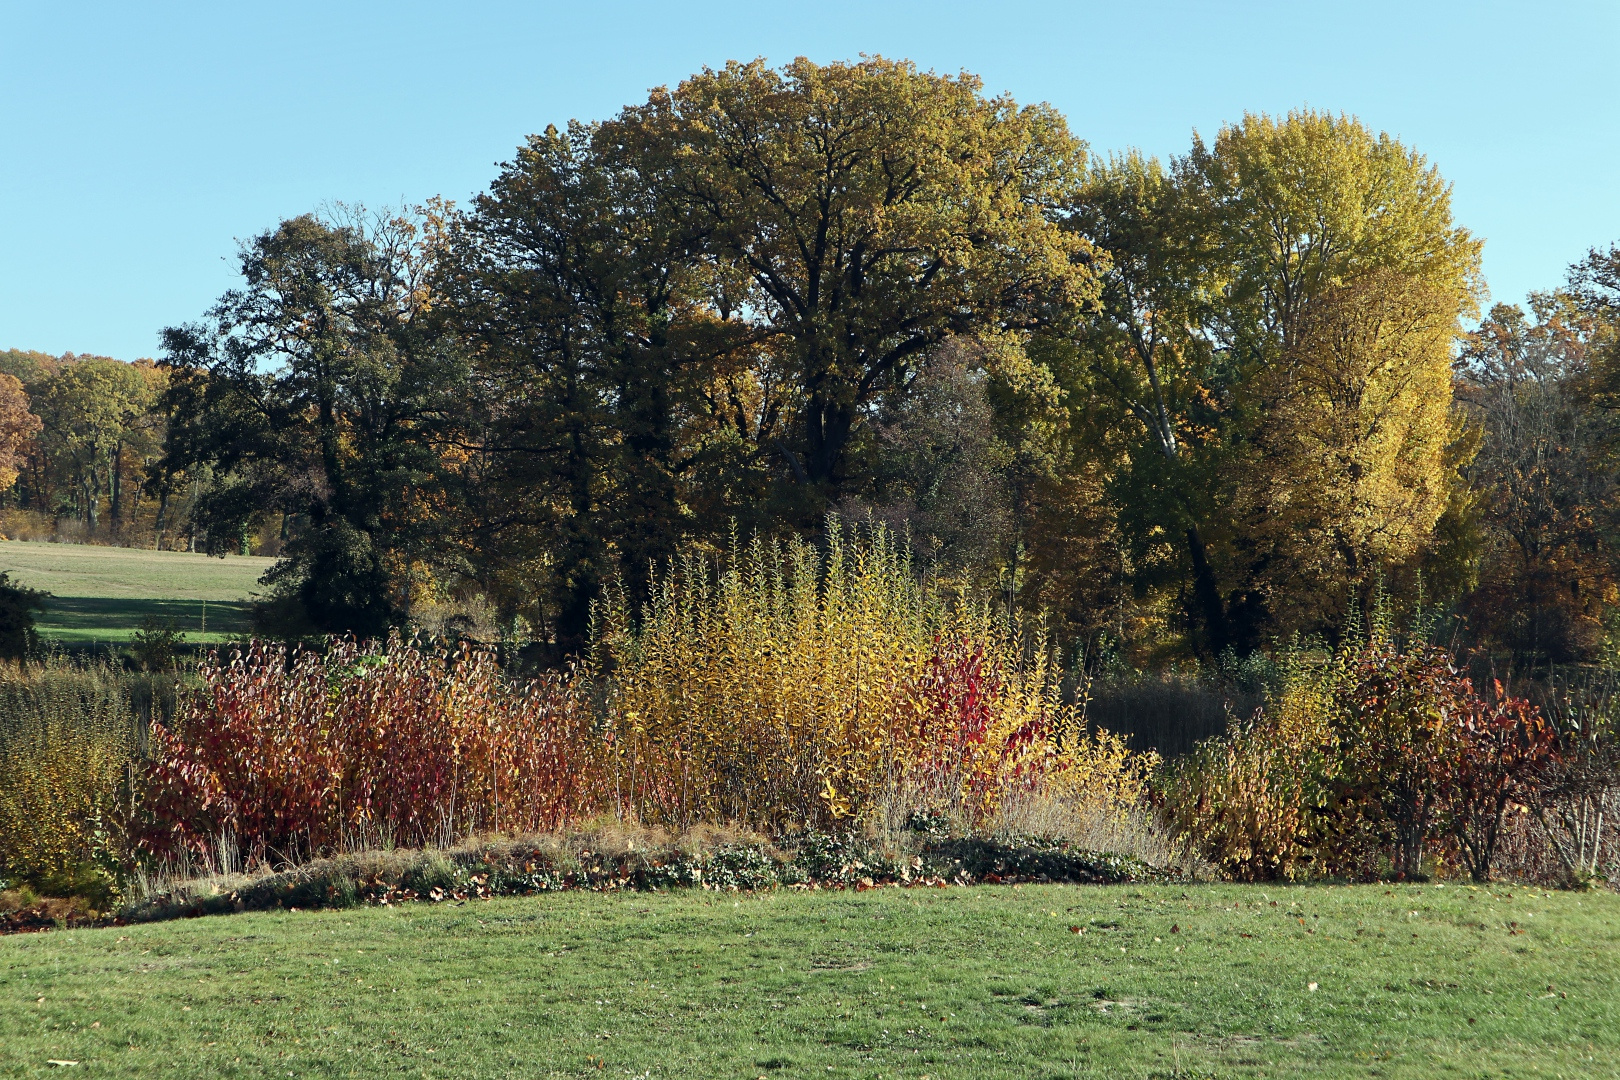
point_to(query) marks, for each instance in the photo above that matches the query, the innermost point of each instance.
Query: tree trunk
(827, 433)
(1207, 602)
(580, 555)
(115, 474)
(163, 507)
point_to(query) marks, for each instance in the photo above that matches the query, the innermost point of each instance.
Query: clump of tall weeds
(67, 740)
(805, 686)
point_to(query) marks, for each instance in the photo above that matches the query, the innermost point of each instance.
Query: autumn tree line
(1185, 408)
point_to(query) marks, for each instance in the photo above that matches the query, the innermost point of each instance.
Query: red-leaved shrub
(298, 753)
(950, 732)
(1367, 762)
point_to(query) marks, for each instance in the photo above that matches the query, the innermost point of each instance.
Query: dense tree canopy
(17, 427)
(696, 313)
(1187, 408)
(570, 289)
(858, 215)
(1272, 356)
(79, 437)
(1545, 474)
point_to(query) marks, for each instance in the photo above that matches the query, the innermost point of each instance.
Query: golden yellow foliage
(65, 748)
(1356, 439)
(17, 427)
(802, 686)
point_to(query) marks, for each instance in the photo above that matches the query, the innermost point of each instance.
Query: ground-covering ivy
(809, 860)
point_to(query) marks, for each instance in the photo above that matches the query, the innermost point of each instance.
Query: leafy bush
(295, 753)
(1501, 755)
(18, 641)
(1250, 799)
(156, 645)
(808, 687)
(1367, 761)
(798, 689)
(67, 738)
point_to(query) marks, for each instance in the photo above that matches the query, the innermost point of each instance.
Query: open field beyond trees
(1192, 981)
(106, 593)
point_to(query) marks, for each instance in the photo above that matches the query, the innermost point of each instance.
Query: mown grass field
(1174, 981)
(106, 593)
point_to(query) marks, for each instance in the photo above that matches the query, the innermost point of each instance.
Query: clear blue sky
(139, 141)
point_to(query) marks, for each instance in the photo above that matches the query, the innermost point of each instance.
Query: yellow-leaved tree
(1344, 281)
(1355, 462)
(1267, 374)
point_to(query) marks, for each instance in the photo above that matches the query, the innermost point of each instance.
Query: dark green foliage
(156, 645)
(502, 868)
(18, 641)
(320, 391)
(564, 285)
(1035, 859)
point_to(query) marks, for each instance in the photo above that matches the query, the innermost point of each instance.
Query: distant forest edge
(1184, 409)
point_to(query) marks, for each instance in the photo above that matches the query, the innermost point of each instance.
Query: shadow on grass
(98, 618)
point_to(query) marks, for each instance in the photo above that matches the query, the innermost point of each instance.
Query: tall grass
(68, 735)
(1580, 807)
(816, 686)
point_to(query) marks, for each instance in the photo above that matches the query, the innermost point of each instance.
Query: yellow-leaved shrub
(66, 743)
(811, 686)
(1249, 797)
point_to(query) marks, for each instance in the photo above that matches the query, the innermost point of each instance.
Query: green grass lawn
(1165, 981)
(105, 593)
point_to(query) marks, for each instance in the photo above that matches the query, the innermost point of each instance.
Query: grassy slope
(104, 593)
(1413, 982)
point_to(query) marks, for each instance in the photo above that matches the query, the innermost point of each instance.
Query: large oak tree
(860, 215)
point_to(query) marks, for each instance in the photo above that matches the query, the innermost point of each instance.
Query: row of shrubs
(828, 689)
(800, 691)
